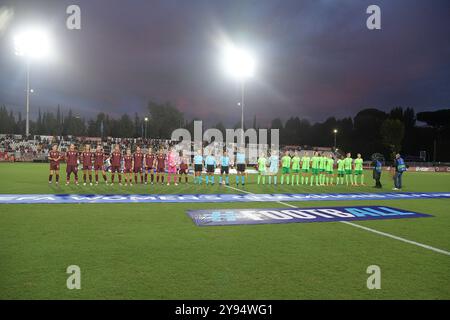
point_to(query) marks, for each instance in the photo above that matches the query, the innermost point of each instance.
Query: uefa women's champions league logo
(252, 142)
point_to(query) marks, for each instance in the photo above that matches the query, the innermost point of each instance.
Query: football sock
(212, 179)
(259, 178)
(264, 179)
(57, 177)
(227, 181)
(275, 178)
(207, 179)
(50, 177)
(243, 180)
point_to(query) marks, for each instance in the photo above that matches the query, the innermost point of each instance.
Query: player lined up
(137, 164)
(317, 170)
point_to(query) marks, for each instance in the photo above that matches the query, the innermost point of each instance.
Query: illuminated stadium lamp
(335, 131)
(31, 44)
(240, 64)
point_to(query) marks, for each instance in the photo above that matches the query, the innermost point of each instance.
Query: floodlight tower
(240, 64)
(31, 44)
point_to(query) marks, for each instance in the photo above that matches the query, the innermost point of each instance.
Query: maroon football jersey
(54, 155)
(116, 157)
(161, 161)
(87, 158)
(99, 158)
(138, 157)
(128, 161)
(149, 160)
(71, 158)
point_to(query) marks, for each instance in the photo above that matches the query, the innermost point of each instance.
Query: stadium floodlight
(240, 64)
(32, 43)
(335, 131)
(146, 124)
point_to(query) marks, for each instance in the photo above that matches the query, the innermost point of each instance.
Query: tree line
(370, 131)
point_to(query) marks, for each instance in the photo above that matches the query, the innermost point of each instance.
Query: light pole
(335, 131)
(31, 44)
(146, 122)
(240, 64)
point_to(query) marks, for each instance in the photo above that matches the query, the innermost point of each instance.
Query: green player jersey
(329, 164)
(358, 164)
(348, 163)
(262, 163)
(322, 162)
(340, 164)
(296, 163)
(286, 162)
(315, 162)
(306, 162)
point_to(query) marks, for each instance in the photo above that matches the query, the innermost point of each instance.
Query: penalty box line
(381, 233)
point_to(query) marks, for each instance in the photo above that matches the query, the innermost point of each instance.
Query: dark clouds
(316, 58)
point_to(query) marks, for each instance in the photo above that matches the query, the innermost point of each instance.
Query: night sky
(315, 58)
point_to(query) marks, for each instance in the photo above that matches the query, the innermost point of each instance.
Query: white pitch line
(385, 234)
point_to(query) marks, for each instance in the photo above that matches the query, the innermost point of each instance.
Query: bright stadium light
(240, 64)
(335, 131)
(33, 43)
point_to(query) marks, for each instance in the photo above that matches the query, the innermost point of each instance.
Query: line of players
(317, 169)
(137, 164)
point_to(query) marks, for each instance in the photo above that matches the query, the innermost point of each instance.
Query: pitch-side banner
(207, 198)
(222, 217)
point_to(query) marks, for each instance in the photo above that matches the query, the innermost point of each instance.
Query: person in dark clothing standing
(377, 169)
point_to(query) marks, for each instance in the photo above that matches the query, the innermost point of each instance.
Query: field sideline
(154, 251)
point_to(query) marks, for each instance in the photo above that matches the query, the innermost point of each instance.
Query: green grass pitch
(154, 251)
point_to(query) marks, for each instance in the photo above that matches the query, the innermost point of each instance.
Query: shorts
(183, 171)
(305, 170)
(225, 170)
(210, 168)
(262, 171)
(329, 172)
(273, 170)
(54, 166)
(198, 168)
(115, 169)
(149, 170)
(358, 172)
(341, 173)
(71, 168)
(127, 170)
(315, 171)
(98, 167)
(160, 170)
(172, 170)
(321, 170)
(348, 171)
(295, 170)
(240, 167)
(285, 170)
(88, 167)
(137, 169)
